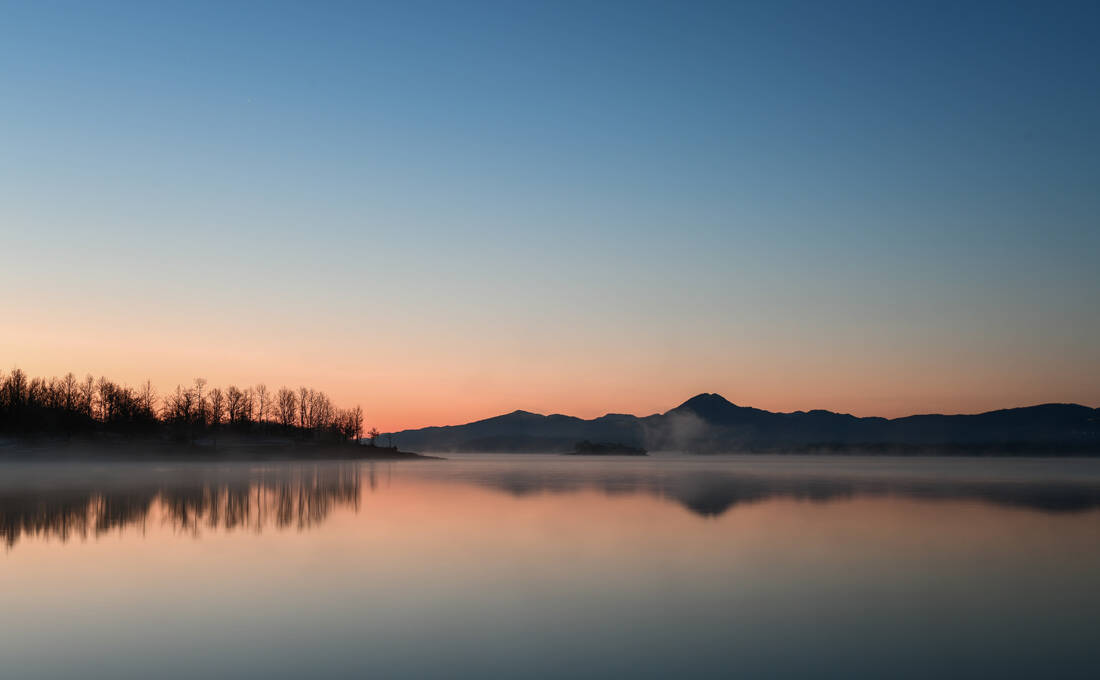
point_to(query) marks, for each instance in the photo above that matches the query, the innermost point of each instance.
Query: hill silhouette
(709, 423)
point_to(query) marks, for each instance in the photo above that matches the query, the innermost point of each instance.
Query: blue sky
(444, 208)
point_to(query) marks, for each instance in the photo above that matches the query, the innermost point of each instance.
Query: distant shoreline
(29, 449)
(710, 424)
(992, 450)
(986, 450)
(276, 448)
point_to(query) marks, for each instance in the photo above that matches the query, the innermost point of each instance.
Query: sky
(446, 211)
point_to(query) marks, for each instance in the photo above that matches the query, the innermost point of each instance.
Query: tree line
(69, 405)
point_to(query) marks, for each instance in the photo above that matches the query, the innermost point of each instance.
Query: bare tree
(320, 414)
(248, 401)
(15, 389)
(217, 411)
(104, 401)
(53, 394)
(304, 399)
(69, 388)
(357, 423)
(217, 406)
(87, 395)
(200, 400)
(148, 397)
(263, 405)
(286, 403)
(233, 399)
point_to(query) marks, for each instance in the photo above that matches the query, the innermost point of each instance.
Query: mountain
(708, 423)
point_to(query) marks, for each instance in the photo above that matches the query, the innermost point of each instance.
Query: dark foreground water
(539, 566)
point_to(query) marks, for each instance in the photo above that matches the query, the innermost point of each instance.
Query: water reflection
(65, 501)
(52, 503)
(509, 566)
(711, 493)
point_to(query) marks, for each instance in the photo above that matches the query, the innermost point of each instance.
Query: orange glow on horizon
(408, 379)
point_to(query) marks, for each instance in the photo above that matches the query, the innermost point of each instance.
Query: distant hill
(708, 423)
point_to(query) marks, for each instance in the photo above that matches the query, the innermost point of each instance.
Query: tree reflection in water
(190, 500)
(62, 501)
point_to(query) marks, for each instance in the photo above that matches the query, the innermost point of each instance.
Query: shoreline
(159, 450)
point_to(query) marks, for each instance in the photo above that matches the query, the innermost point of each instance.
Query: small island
(587, 448)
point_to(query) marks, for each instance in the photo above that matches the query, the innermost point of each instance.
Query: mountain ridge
(709, 423)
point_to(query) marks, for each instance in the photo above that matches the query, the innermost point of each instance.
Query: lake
(527, 566)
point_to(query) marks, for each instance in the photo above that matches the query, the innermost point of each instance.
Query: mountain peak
(706, 400)
(717, 410)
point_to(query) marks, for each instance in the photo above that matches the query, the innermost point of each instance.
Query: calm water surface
(544, 566)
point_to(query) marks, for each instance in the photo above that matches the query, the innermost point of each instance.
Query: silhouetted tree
(263, 403)
(200, 401)
(357, 423)
(304, 399)
(248, 401)
(87, 395)
(217, 411)
(287, 404)
(67, 405)
(147, 396)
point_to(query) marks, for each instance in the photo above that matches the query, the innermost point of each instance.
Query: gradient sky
(444, 211)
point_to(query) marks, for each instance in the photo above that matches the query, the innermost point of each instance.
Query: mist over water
(543, 566)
